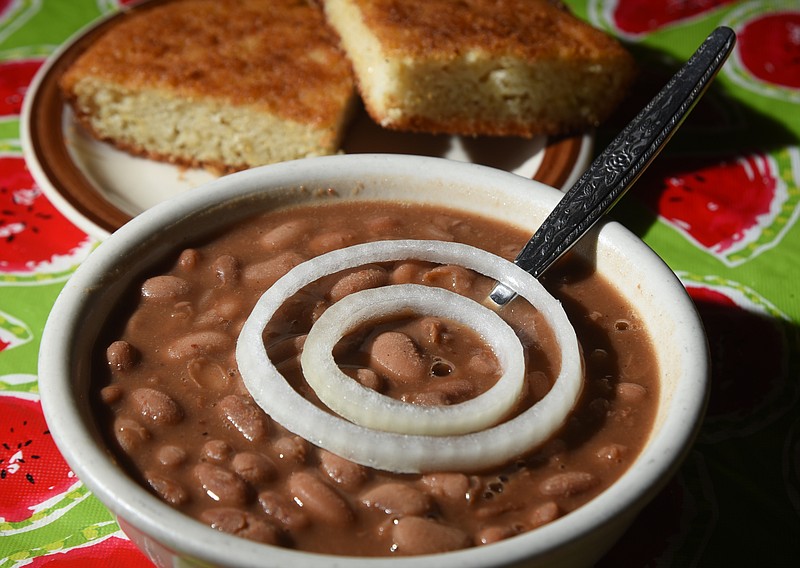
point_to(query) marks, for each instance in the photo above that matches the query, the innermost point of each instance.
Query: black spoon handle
(619, 166)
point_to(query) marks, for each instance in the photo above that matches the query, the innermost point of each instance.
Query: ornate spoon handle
(619, 166)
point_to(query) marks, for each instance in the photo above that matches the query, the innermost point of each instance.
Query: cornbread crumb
(221, 84)
(480, 67)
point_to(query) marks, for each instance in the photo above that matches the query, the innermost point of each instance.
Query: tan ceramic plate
(100, 188)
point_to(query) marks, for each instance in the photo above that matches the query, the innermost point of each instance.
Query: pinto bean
(130, 434)
(408, 272)
(330, 240)
(630, 393)
(221, 485)
(397, 499)
(165, 287)
(156, 406)
(427, 398)
(321, 501)
(122, 356)
(286, 234)
(111, 394)
(208, 374)
(254, 468)
(229, 308)
(437, 234)
(279, 508)
(450, 277)
(508, 250)
(535, 387)
(264, 274)
(543, 514)
(395, 354)
(382, 225)
(168, 489)
(369, 379)
(455, 391)
(568, 484)
(211, 319)
(495, 533)
(481, 365)
(217, 450)
(188, 259)
(227, 268)
(418, 535)
(346, 474)
(612, 453)
(358, 280)
(171, 456)
(240, 523)
(182, 311)
(198, 343)
(452, 487)
(292, 448)
(431, 329)
(243, 414)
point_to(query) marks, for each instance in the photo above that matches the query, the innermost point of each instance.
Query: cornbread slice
(472, 67)
(222, 84)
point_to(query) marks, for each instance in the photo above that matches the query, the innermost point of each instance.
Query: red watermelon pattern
(734, 207)
(34, 236)
(766, 57)
(32, 470)
(636, 18)
(769, 47)
(15, 76)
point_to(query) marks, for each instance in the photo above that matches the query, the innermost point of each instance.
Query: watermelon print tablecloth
(721, 206)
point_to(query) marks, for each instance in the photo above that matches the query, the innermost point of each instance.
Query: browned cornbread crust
(497, 67)
(222, 83)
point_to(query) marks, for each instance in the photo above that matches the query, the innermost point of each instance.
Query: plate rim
(42, 134)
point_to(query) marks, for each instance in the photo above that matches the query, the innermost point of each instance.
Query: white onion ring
(369, 408)
(405, 453)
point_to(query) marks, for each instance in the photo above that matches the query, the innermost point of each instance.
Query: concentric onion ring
(367, 407)
(410, 453)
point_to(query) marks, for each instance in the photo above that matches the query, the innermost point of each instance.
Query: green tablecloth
(720, 205)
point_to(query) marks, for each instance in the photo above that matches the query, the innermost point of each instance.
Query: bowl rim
(124, 497)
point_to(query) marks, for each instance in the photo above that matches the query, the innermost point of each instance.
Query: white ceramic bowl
(577, 539)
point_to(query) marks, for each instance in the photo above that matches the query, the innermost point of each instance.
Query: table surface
(720, 205)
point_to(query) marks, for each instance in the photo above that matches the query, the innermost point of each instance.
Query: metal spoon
(619, 166)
